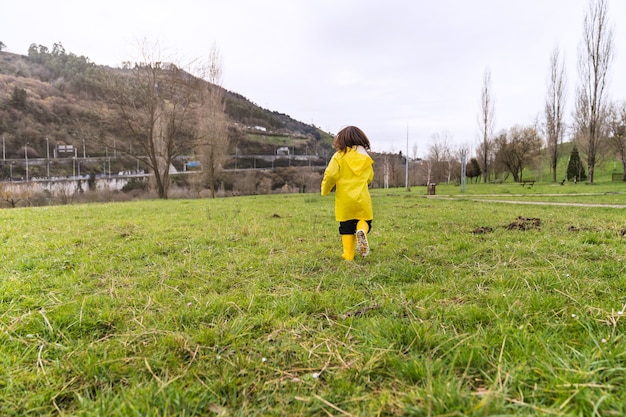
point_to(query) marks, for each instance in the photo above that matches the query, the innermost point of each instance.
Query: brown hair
(350, 136)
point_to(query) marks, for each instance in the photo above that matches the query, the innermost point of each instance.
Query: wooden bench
(527, 182)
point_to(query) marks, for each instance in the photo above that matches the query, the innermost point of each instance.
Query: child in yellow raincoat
(350, 171)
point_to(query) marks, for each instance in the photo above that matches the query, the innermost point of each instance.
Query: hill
(51, 97)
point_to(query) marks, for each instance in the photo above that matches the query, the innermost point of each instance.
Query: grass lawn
(243, 306)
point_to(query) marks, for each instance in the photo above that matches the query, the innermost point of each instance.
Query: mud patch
(581, 229)
(359, 312)
(525, 223)
(481, 230)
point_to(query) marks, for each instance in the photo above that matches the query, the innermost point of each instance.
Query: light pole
(11, 170)
(48, 157)
(26, 158)
(406, 181)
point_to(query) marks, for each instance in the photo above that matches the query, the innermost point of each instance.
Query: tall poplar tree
(595, 56)
(555, 104)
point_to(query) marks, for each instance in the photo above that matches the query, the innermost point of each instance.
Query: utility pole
(48, 157)
(26, 159)
(406, 180)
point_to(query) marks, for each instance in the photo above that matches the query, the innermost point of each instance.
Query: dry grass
(243, 306)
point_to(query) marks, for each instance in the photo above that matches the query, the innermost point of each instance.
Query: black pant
(349, 227)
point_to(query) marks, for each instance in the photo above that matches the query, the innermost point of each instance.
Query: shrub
(135, 184)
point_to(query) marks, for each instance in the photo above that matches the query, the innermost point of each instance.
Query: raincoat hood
(358, 161)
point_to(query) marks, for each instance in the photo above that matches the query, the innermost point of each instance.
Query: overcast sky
(396, 68)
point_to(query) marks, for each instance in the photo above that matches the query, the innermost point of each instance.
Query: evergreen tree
(18, 98)
(472, 169)
(575, 168)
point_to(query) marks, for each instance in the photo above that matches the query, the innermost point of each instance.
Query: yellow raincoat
(350, 172)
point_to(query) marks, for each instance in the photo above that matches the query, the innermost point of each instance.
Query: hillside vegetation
(58, 96)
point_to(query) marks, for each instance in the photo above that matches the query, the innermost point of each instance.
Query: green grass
(605, 192)
(242, 306)
(277, 140)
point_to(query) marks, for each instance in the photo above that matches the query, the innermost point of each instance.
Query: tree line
(164, 110)
(154, 110)
(598, 127)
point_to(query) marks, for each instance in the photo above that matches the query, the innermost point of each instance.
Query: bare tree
(516, 149)
(14, 195)
(394, 169)
(595, 56)
(159, 106)
(555, 104)
(486, 124)
(386, 169)
(439, 157)
(458, 155)
(414, 151)
(617, 128)
(427, 167)
(212, 138)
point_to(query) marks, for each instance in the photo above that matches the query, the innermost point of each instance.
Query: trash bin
(431, 188)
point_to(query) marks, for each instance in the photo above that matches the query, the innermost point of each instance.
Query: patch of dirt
(581, 229)
(360, 312)
(525, 223)
(482, 230)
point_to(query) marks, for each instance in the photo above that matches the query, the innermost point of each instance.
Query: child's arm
(330, 176)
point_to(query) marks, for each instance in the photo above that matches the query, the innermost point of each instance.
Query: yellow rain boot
(348, 246)
(362, 228)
